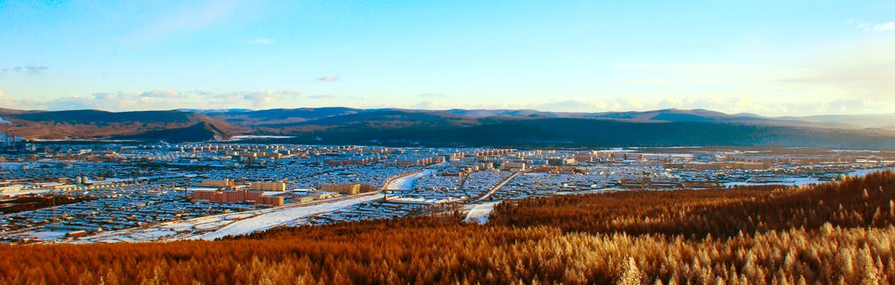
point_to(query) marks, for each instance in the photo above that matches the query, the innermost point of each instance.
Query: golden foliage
(818, 235)
(853, 202)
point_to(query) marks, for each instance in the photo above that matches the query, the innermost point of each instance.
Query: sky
(767, 57)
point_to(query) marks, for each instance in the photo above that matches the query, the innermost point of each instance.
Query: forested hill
(498, 128)
(835, 233)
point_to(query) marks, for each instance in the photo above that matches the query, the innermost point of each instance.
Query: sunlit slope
(832, 233)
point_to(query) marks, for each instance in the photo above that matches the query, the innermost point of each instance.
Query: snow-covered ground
(170, 230)
(154, 235)
(216, 226)
(241, 138)
(791, 181)
(480, 212)
(594, 191)
(49, 235)
(282, 217)
(23, 192)
(420, 200)
(862, 172)
(802, 181)
(406, 182)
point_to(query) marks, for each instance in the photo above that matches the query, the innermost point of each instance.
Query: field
(835, 233)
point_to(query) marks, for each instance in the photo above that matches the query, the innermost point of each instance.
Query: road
(497, 187)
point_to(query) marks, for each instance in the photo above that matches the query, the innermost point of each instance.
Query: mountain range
(459, 127)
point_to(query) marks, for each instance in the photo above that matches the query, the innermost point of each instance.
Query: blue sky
(780, 57)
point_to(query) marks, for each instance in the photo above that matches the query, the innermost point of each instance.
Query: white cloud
(329, 78)
(7, 101)
(28, 69)
(725, 104)
(881, 27)
(427, 105)
(430, 95)
(163, 94)
(569, 105)
(859, 71)
(853, 78)
(268, 98)
(884, 27)
(170, 99)
(321, 96)
(198, 99)
(432, 101)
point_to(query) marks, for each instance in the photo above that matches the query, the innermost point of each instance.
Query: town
(126, 192)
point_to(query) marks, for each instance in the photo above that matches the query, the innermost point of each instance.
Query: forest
(30, 203)
(833, 233)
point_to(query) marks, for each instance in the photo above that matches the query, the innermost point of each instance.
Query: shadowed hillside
(511, 128)
(95, 124)
(496, 128)
(380, 128)
(202, 131)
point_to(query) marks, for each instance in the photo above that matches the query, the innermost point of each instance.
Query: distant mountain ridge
(96, 124)
(456, 127)
(883, 121)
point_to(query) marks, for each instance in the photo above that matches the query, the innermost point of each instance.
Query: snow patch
(480, 212)
(406, 182)
(48, 235)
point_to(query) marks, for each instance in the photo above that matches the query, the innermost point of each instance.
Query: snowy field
(169, 230)
(862, 172)
(406, 182)
(803, 181)
(791, 181)
(212, 227)
(593, 191)
(282, 217)
(49, 235)
(23, 192)
(242, 138)
(480, 212)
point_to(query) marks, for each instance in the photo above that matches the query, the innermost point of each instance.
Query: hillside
(393, 127)
(498, 128)
(95, 124)
(280, 116)
(519, 128)
(838, 233)
(201, 131)
(854, 121)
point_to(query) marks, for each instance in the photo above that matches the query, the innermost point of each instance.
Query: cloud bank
(329, 78)
(880, 27)
(172, 99)
(33, 70)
